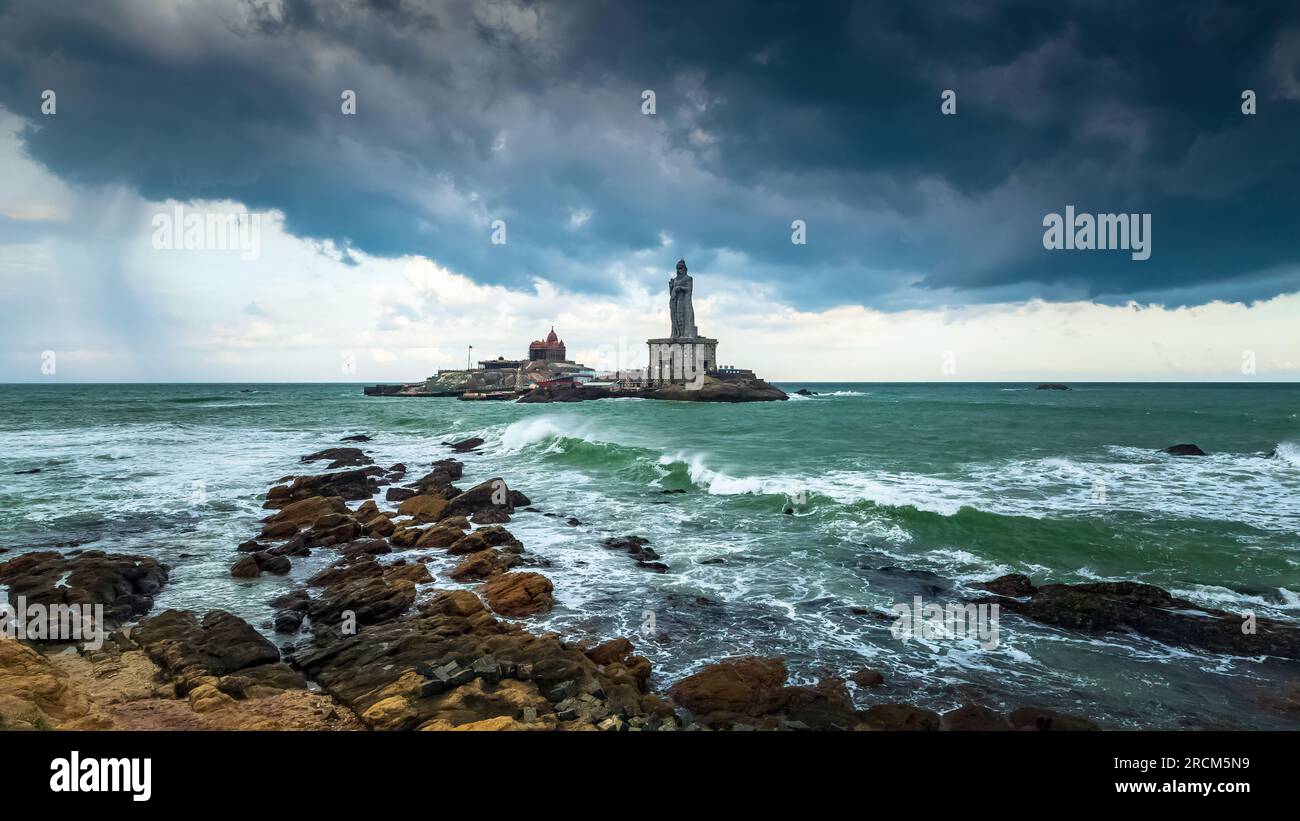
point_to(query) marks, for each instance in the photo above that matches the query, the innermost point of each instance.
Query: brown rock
(900, 717)
(124, 585)
(484, 564)
(1034, 718)
(439, 536)
(340, 457)
(745, 686)
(614, 651)
(1012, 584)
(515, 595)
(490, 495)
(974, 717)
(246, 568)
(37, 695)
(483, 539)
(305, 512)
(868, 678)
(379, 526)
(187, 648)
(399, 494)
(423, 508)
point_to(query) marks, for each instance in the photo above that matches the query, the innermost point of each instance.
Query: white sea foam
(1288, 452)
(535, 430)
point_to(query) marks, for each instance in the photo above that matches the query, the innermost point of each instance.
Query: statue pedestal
(681, 360)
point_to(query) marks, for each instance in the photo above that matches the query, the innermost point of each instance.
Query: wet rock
(1012, 584)
(302, 514)
(246, 568)
(1184, 450)
(366, 511)
(263, 681)
(494, 516)
(495, 672)
(293, 600)
(269, 563)
(379, 526)
(573, 521)
(187, 648)
(892, 717)
(639, 549)
(1123, 607)
(614, 651)
(438, 482)
(349, 485)
(868, 678)
(442, 535)
(484, 564)
(826, 706)
(423, 509)
(250, 546)
(748, 686)
(973, 718)
(515, 595)
(399, 494)
(484, 538)
(371, 600)
(288, 621)
(358, 437)
(466, 445)
(1034, 718)
(490, 495)
(331, 530)
(339, 458)
(124, 585)
(370, 547)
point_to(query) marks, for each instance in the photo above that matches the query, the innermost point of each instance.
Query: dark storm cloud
(826, 112)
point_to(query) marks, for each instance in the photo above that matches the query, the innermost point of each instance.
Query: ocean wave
(543, 429)
(1233, 488)
(1288, 452)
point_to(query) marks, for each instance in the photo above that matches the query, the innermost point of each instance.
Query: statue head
(681, 267)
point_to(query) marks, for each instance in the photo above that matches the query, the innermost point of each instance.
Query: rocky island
(682, 367)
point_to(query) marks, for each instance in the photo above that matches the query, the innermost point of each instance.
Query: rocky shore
(378, 641)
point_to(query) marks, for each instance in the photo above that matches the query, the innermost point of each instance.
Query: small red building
(549, 350)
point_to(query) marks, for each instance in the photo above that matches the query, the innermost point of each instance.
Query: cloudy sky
(924, 231)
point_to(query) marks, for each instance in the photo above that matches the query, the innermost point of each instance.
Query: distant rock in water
(465, 445)
(359, 437)
(565, 393)
(806, 392)
(1184, 450)
(1053, 386)
(339, 457)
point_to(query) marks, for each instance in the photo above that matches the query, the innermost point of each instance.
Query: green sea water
(894, 491)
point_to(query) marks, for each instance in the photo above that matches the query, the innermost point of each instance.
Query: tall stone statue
(679, 304)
